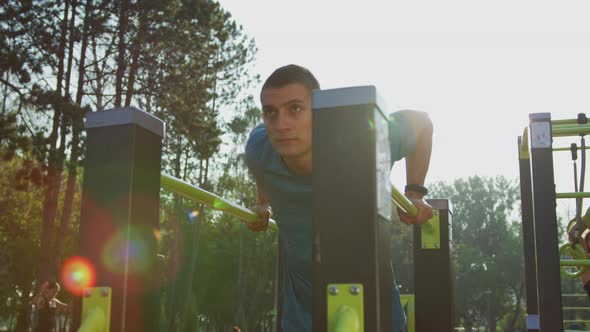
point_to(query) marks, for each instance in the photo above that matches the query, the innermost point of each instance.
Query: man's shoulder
(257, 147)
(258, 140)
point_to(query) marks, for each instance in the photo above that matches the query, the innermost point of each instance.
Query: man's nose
(283, 122)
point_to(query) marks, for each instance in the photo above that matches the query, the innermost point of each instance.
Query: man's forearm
(418, 161)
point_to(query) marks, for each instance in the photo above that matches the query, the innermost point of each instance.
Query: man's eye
(269, 113)
(296, 108)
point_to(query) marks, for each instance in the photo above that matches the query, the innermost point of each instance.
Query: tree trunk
(121, 57)
(135, 50)
(511, 326)
(70, 49)
(192, 270)
(77, 125)
(177, 236)
(44, 265)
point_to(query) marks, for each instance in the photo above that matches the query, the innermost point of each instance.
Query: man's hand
(424, 211)
(264, 213)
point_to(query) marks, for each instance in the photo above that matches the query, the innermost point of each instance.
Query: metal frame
(540, 241)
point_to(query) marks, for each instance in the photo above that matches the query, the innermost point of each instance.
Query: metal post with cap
(352, 279)
(120, 209)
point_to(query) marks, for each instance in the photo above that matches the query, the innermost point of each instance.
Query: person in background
(46, 305)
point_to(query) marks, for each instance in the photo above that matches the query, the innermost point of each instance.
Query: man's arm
(417, 163)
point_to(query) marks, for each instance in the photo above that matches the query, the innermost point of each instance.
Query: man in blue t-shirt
(279, 155)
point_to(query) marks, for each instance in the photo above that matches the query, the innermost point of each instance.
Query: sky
(477, 67)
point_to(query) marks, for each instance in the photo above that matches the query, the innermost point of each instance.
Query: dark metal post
(351, 202)
(433, 273)
(528, 237)
(545, 223)
(120, 209)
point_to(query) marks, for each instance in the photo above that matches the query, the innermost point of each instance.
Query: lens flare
(192, 215)
(77, 273)
(159, 234)
(218, 204)
(131, 247)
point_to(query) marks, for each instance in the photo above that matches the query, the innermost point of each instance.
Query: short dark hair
(291, 74)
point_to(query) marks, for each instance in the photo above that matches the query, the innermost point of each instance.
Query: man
(279, 154)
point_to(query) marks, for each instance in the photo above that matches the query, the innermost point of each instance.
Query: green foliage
(184, 61)
(20, 208)
(488, 249)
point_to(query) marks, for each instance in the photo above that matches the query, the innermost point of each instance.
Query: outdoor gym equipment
(122, 181)
(539, 221)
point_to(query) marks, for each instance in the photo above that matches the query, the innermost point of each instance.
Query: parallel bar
(403, 202)
(203, 196)
(572, 195)
(569, 149)
(564, 122)
(570, 130)
(528, 235)
(545, 221)
(187, 190)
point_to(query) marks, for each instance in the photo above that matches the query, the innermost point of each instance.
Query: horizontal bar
(576, 308)
(203, 196)
(574, 262)
(564, 122)
(574, 295)
(569, 149)
(570, 130)
(403, 202)
(572, 195)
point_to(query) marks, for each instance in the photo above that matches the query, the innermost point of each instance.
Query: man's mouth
(286, 140)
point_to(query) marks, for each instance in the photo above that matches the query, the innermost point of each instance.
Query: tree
(486, 237)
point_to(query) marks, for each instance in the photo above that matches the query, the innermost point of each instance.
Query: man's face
(286, 112)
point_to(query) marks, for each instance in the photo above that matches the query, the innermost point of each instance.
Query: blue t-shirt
(291, 199)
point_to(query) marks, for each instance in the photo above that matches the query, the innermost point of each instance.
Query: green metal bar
(574, 295)
(346, 319)
(574, 262)
(221, 204)
(403, 202)
(576, 308)
(569, 149)
(524, 145)
(570, 130)
(203, 196)
(572, 195)
(564, 122)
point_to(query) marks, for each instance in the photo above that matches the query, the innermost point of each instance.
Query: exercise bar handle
(203, 196)
(403, 202)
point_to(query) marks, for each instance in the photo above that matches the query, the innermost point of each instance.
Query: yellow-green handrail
(203, 196)
(221, 204)
(403, 202)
